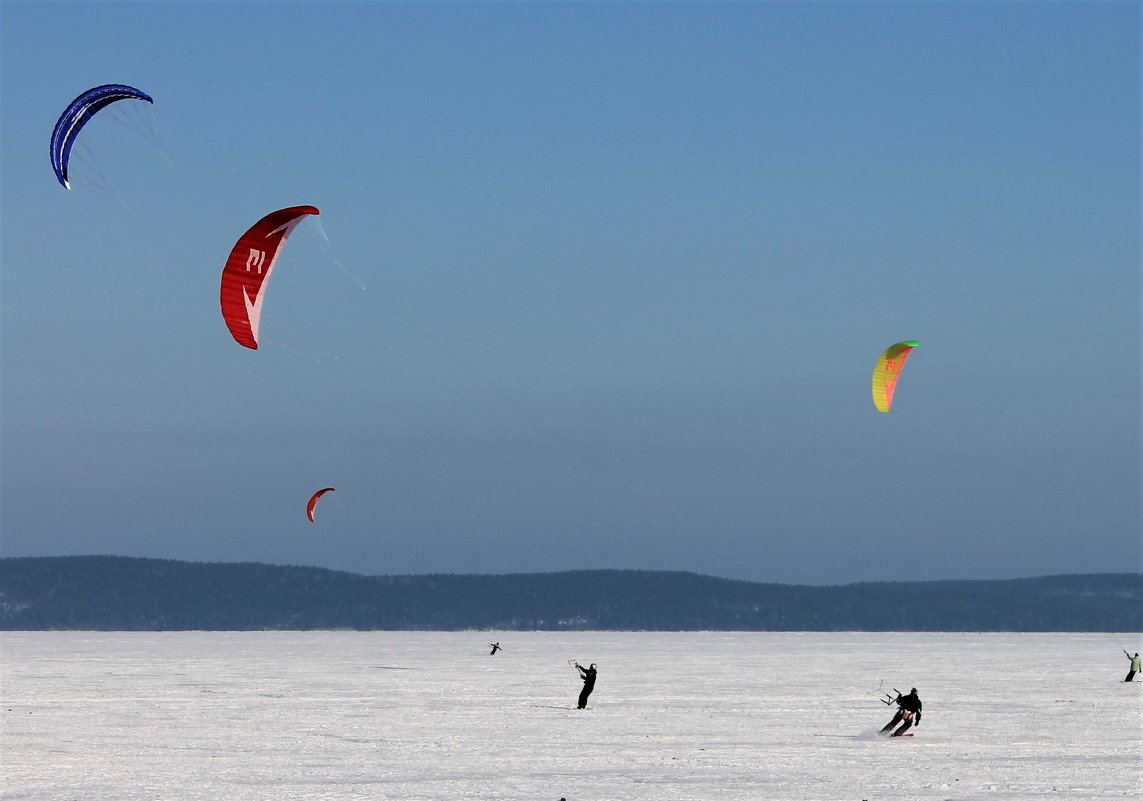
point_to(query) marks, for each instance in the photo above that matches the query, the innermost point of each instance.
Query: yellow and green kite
(886, 372)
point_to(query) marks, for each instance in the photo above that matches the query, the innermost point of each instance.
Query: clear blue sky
(594, 285)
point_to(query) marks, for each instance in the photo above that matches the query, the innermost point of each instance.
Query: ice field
(399, 715)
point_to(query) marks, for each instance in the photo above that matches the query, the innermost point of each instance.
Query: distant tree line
(110, 593)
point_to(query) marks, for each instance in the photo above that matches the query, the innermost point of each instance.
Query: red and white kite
(247, 271)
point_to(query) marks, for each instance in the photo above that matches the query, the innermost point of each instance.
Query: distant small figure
(495, 647)
(588, 675)
(1135, 665)
(908, 713)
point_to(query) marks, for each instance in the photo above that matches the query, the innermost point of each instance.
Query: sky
(594, 285)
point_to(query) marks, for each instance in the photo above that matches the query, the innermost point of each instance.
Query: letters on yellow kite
(886, 372)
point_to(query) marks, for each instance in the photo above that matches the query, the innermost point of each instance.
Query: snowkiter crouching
(1134, 666)
(908, 713)
(588, 675)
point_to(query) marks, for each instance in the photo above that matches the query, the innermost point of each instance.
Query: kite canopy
(313, 502)
(77, 115)
(247, 271)
(886, 372)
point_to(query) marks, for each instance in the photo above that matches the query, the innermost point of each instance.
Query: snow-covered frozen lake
(398, 715)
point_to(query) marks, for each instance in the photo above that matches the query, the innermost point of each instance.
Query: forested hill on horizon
(114, 593)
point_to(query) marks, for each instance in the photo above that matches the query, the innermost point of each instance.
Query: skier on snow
(1134, 665)
(588, 675)
(908, 713)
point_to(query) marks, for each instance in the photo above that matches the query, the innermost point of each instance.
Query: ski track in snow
(674, 716)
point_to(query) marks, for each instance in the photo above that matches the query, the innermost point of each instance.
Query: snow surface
(399, 715)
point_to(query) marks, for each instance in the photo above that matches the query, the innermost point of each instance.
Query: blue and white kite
(82, 109)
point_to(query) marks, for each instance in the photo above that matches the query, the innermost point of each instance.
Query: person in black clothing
(908, 713)
(588, 675)
(495, 648)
